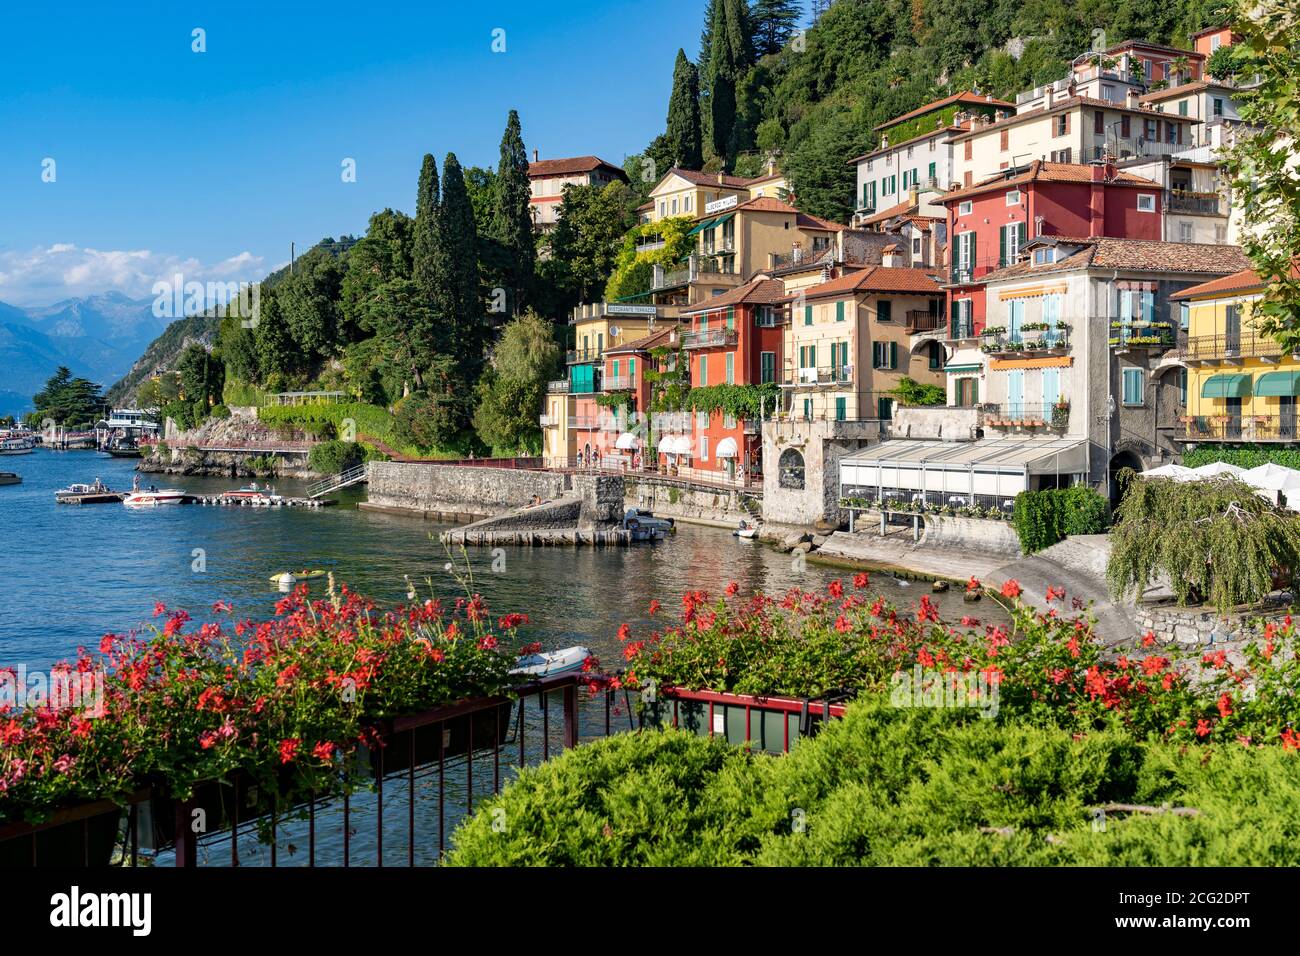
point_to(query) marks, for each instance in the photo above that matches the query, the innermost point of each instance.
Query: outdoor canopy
(700, 227)
(727, 448)
(1278, 384)
(627, 441)
(1226, 386)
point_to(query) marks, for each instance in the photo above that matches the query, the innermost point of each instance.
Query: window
(731, 316)
(1184, 315)
(968, 392)
(631, 369)
(704, 371)
(790, 466)
(909, 152)
(839, 311)
(1062, 155)
(731, 368)
(767, 367)
(1063, 124)
(964, 209)
(916, 246)
(1182, 108)
(689, 202)
(841, 408)
(884, 355)
(1146, 202)
(704, 447)
(674, 205)
(1133, 387)
(884, 310)
(1044, 255)
(807, 315)
(614, 369)
(1099, 123)
(1108, 93)
(807, 416)
(931, 173)
(1051, 379)
(1215, 42)
(1220, 234)
(1003, 143)
(962, 328)
(1182, 387)
(1184, 232)
(1013, 197)
(1012, 238)
(1126, 126)
(936, 356)
(969, 146)
(885, 409)
(1218, 106)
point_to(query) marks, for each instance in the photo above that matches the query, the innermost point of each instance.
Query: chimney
(1097, 201)
(1131, 99)
(535, 157)
(720, 178)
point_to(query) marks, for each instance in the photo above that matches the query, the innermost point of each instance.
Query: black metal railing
(1025, 414)
(1244, 428)
(1224, 345)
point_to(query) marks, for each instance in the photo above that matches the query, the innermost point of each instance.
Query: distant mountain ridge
(98, 336)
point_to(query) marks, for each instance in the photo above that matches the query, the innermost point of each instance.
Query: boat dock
(226, 501)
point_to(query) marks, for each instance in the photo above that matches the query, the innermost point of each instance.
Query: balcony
(650, 245)
(1230, 349)
(709, 338)
(619, 383)
(558, 387)
(1153, 336)
(825, 376)
(584, 422)
(580, 356)
(549, 421)
(714, 267)
(922, 320)
(720, 248)
(665, 279)
(964, 273)
(1026, 342)
(1195, 204)
(1025, 415)
(1243, 428)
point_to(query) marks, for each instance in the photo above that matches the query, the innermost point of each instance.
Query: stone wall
(1188, 628)
(820, 445)
(938, 422)
(697, 505)
(602, 499)
(985, 535)
(456, 490)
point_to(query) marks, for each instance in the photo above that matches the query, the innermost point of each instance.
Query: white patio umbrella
(1176, 472)
(1270, 479)
(1217, 468)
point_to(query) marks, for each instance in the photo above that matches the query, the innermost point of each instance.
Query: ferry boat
(17, 446)
(96, 493)
(156, 496)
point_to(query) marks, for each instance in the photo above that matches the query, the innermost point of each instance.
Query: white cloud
(48, 274)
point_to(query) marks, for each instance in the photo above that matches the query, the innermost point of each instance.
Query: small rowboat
(293, 577)
(550, 663)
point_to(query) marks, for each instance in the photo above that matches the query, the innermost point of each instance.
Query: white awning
(727, 448)
(627, 441)
(998, 467)
(666, 444)
(682, 445)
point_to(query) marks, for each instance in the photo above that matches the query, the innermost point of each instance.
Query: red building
(625, 431)
(735, 339)
(990, 222)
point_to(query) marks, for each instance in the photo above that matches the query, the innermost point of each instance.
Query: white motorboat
(550, 663)
(155, 496)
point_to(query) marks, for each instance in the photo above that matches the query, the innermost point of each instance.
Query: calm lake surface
(68, 574)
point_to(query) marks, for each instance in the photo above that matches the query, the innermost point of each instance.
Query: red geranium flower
(1011, 589)
(289, 749)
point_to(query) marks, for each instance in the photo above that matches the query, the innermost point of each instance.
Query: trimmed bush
(333, 457)
(1042, 518)
(1250, 456)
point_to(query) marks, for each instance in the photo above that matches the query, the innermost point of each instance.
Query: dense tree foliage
(67, 400)
(684, 130)
(512, 223)
(512, 390)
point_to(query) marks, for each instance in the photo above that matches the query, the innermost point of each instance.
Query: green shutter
(839, 311)
(1002, 246)
(704, 370)
(731, 316)
(841, 411)
(884, 310)
(807, 315)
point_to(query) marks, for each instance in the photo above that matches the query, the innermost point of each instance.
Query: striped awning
(1226, 386)
(1033, 291)
(1278, 384)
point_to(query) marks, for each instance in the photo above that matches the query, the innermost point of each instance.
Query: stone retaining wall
(710, 506)
(1190, 628)
(430, 489)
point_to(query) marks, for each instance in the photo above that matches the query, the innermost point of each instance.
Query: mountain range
(99, 337)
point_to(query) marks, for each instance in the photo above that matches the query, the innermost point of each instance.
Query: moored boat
(550, 663)
(155, 496)
(95, 493)
(16, 446)
(9, 478)
(252, 494)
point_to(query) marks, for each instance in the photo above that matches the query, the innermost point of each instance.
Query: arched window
(790, 470)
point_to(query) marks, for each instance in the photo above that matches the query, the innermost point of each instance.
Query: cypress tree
(424, 234)
(456, 290)
(513, 213)
(684, 115)
(730, 55)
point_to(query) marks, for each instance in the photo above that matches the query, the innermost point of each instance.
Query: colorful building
(734, 339)
(548, 177)
(1241, 384)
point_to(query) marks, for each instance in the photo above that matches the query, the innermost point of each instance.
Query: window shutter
(839, 311)
(807, 315)
(1002, 246)
(1021, 229)
(893, 355)
(1067, 124)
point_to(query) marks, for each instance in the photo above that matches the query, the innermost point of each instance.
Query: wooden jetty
(225, 501)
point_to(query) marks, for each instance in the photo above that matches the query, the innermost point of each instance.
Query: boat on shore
(155, 496)
(95, 493)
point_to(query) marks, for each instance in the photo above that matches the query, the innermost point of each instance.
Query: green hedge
(334, 457)
(1042, 518)
(1249, 456)
(891, 786)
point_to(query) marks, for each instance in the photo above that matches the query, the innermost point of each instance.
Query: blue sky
(213, 162)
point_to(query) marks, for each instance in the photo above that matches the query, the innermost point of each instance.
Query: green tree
(383, 255)
(67, 400)
(730, 55)
(202, 377)
(310, 301)
(513, 219)
(276, 355)
(774, 23)
(684, 129)
(424, 233)
(818, 172)
(592, 223)
(513, 389)
(405, 332)
(456, 300)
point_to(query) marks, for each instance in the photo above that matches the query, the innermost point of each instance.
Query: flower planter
(217, 801)
(446, 737)
(77, 837)
(770, 724)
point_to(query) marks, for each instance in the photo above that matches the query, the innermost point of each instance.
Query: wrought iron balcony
(1025, 414)
(1199, 204)
(709, 338)
(1028, 342)
(579, 356)
(558, 387)
(1243, 428)
(1226, 347)
(828, 376)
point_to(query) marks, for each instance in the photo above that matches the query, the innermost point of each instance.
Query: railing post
(187, 841)
(570, 716)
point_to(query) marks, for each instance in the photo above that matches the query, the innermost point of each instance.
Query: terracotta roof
(753, 292)
(889, 213)
(1041, 171)
(765, 204)
(965, 97)
(767, 177)
(569, 166)
(878, 279)
(1143, 44)
(893, 146)
(1070, 102)
(646, 342)
(1237, 282)
(1138, 255)
(806, 221)
(708, 179)
(1193, 87)
(1201, 33)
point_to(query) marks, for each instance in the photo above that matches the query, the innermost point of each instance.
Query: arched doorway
(1125, 458)
(791, 470)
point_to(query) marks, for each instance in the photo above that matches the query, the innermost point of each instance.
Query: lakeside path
(898, 552)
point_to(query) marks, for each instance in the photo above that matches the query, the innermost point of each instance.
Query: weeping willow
(1215, 542)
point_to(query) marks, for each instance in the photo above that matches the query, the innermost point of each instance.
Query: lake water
(68, 574)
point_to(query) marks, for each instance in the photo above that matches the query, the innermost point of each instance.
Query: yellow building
(852, 340)
(1241, 386)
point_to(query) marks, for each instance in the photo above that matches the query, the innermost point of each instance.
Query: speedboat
(746, 530)
(252, 494)
(293, 577)
(155, 496)
(550, 663)
(96, 493)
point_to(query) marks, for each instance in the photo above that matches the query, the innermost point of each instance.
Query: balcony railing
(1143, 336)
(1026, 342)
(714, 267)
(549, 421)
(1199, 204)
(1243, 428)
(826, 375)
(718, 248)
(1229, 347)
(709, 338)
(650, 245)
(585, 422)
(578, 356)
(922, 320)
(558, 387)
(963, 273)
(619, 383)
(668, 279)
(1025, 414)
